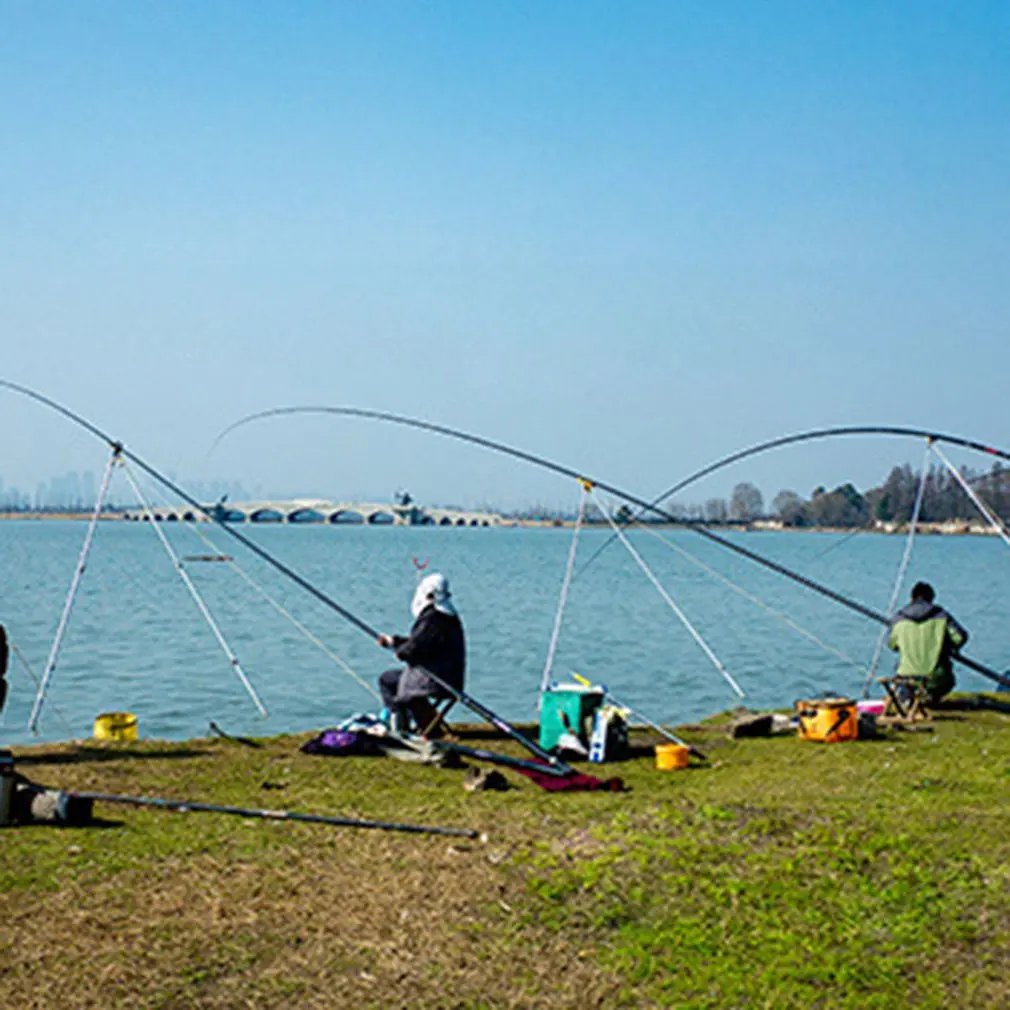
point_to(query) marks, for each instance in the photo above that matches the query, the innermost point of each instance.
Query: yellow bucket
(116, 726)
(671, 756)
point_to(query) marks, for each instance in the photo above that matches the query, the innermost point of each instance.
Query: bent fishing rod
(653, 506)
(554, 765)
(811, 435)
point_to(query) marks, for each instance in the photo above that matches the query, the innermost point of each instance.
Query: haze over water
(137, 643)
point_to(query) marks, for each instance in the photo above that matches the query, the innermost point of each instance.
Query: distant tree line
(844, 506)
(894, 501)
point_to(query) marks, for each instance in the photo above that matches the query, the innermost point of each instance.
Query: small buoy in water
(120, 726)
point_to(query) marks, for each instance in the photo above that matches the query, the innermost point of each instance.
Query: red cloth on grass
(576, 782)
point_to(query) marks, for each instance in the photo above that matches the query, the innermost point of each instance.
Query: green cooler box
(578, 703)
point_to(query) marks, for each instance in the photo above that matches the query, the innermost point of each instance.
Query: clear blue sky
(633, 235)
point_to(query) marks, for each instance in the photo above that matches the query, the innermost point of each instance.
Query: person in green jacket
(926, 637)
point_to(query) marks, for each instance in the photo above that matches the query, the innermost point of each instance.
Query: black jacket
(436, 644)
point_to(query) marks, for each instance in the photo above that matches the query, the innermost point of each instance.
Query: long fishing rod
(554, 765)
(804, 436)
(185, 807)
(653, 507)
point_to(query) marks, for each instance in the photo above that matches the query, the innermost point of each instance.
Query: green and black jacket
(926, 637)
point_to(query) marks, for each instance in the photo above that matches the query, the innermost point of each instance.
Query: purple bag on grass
(341, 743)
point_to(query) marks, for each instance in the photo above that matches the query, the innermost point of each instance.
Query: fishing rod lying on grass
(185, 807)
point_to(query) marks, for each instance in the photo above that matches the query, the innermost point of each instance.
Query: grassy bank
(785, 874)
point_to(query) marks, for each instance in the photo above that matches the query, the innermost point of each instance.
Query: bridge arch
(381, 519)
(306, 515)
(266, 515)
(346, 517)
(445, 521)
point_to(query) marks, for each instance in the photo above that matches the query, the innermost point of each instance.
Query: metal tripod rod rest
(670, 602)
(566, 583)
(195, 593)
(75, 584)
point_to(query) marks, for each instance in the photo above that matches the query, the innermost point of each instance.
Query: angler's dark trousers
(389, 683)
(414, 708)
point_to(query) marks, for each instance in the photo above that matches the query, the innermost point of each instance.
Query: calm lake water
(137, 642)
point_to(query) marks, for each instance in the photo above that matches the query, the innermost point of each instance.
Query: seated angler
(436, 645)
(926, 637)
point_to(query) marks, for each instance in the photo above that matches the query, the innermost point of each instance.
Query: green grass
(784, 874)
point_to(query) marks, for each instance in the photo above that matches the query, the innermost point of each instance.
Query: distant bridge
(322, 512)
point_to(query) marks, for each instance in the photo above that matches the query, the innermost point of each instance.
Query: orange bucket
(829, 720)
(671, 756)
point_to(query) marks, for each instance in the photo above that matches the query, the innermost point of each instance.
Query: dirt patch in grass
(403, 923)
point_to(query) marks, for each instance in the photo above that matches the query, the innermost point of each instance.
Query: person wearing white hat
(436, 645)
